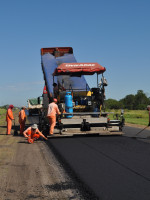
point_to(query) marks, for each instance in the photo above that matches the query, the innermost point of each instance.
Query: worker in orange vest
(22, 119)
(51, 114)
(32, 133)
(9, 118)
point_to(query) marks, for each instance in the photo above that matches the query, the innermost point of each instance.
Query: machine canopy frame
(79, 69)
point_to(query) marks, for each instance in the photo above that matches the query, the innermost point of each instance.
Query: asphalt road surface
(113, 167)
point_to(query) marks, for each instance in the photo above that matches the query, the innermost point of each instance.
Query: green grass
(2, 111)
(140, 117)
(2, 116)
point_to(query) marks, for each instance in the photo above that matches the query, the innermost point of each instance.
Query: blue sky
(116, 34)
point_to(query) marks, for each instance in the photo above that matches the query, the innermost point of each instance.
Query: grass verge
(140, 117)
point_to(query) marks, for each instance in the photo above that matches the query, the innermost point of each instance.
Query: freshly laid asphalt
(113, 167)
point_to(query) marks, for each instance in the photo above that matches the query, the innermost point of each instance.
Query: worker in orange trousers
(51, 114)
(9, 118)
(32, 134)
(22, 119)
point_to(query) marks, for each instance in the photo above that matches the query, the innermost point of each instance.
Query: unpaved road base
(30, 171)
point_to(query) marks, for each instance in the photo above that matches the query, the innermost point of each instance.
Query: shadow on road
(60, 186)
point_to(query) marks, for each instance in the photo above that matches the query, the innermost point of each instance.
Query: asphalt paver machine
(82, 107)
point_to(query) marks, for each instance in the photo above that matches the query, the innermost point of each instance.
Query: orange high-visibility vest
(9, 115)
(22, 116)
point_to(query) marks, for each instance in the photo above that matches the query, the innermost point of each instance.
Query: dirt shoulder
(31, 171)
(137, 126)
(8, 146)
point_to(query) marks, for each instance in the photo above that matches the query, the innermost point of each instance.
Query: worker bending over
(51, 114)
(33, 133)
(9, 118)
(22, 119)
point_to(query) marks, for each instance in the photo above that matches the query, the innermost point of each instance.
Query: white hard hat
(34, 126)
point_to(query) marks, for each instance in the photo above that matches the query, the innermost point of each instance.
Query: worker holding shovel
(148, 108)
(9, 118)
(32, 133)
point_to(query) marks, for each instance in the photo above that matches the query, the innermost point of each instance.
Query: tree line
(138, 101)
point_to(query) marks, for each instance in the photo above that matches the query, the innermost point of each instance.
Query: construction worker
(22, 119)
(9, 118)
(57, 88)
(51, 114)
(148, 108)
(33, 133)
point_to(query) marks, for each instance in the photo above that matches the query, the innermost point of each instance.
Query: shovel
(148, 108)
(15, 129)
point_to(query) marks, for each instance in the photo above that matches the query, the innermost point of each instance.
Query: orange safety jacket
(32, 134)
(22, 116)
(9, 115)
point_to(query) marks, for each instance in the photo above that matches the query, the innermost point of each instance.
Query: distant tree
(141, 100)
(113, 104)
(128, 102)
(135, 102)
(5, 106)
